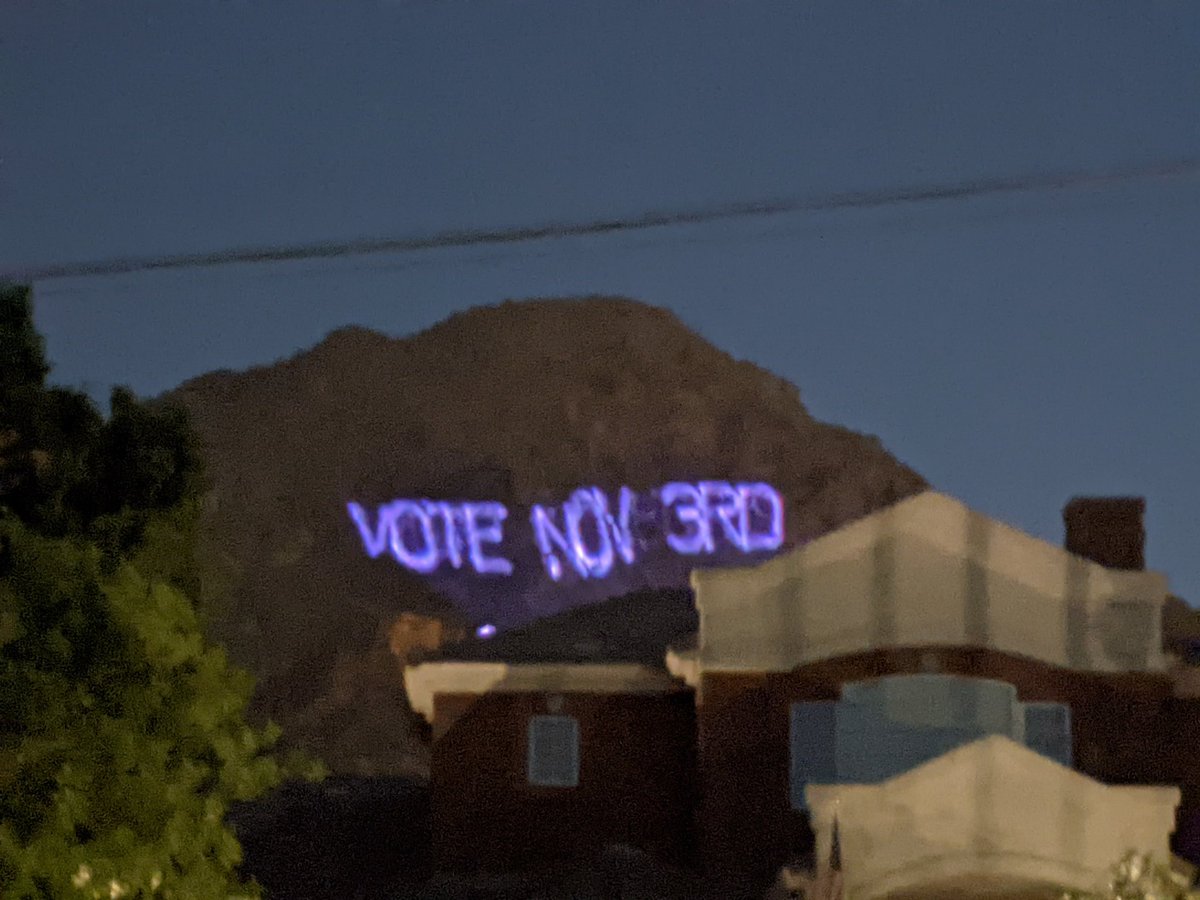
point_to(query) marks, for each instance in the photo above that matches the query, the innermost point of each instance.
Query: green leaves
(130, 752)
(123, 737)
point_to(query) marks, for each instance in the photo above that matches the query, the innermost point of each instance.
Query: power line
(550, 231)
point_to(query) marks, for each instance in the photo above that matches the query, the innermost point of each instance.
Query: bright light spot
(83, 876)
(485, 631)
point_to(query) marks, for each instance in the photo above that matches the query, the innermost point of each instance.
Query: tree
(123, 737)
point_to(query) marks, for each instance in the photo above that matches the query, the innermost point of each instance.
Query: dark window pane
(813, 730)
(554, 751)
(1048, 730)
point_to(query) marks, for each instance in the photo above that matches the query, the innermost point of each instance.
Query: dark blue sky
(1015, 350)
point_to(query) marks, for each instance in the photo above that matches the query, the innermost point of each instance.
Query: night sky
(1014, 349)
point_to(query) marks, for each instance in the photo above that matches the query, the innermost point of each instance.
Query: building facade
(836, 669)
(539, 765)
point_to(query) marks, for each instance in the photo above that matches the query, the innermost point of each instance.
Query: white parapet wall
(424, 681)
(989, 818)
(929, 571)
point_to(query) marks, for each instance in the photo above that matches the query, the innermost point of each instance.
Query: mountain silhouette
(519, 403)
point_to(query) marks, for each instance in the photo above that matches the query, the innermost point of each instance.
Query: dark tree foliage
(122, 732)
(22, 357)
(64, 470)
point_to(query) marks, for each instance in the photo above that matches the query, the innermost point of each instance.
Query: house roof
(634, 628)
(947, 524)
(424, 681)
(618, 646)
(929, 571)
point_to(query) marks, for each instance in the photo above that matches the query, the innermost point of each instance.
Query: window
(813, 735)
(1048, 730)
(554, 751)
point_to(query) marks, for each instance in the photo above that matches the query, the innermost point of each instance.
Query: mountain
(521, 404)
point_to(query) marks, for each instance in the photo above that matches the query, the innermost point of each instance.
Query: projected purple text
(589, 533)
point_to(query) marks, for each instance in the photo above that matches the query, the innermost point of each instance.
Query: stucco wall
(929, 571)
(991, 811)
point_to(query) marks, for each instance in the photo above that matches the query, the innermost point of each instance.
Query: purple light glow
(426, 558)
(693, 519)
(691, 512)
(752, 497)
(583, 501)
(492, 515)
(621, 533)
(548, 536)
(450, 536)
(729, 506)
(485, 631)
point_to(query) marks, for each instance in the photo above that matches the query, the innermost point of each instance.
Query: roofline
(913, 515)
(422, 682)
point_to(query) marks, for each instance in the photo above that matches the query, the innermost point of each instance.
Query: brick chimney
(1107, 530)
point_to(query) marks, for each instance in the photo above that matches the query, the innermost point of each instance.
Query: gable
(929, 571)
(990, 811)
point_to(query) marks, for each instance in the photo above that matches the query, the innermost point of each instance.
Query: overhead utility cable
(473, 237)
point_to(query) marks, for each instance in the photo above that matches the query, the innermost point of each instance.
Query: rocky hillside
(519, 403)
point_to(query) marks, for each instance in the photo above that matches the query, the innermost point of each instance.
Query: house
(892, 655)
(552, 742)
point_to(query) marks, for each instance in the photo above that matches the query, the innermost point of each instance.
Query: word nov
(588, 532)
